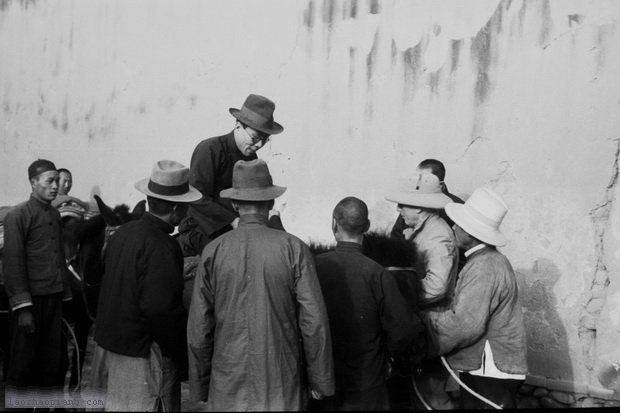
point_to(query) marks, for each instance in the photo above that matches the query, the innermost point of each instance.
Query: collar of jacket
(39, 204)
(253, 219)
(419, 228)
(348, 246)
(487, 248)
(158, 222)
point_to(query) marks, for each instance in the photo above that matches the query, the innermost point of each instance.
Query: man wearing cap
(482, 332)
(257, 313)
(36, 283)
(211, 169)
(141, 354)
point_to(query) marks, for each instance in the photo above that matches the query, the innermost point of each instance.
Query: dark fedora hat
(252, 182)
(257, 113)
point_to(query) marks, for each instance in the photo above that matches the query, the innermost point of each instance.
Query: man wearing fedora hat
(257, 313)
(141, 354)
(211, 169)
(482, 332)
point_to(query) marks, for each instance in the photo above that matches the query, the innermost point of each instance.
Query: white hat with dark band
(169, 181)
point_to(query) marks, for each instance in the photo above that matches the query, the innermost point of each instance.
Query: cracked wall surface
(519, 95)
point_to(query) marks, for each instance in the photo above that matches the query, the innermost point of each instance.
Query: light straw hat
(481, 216)
(424, 190)
(169, 181)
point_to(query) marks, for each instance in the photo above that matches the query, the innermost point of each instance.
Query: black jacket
(141, 292)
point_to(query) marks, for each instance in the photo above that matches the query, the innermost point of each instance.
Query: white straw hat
(424, 190)
(481, 216)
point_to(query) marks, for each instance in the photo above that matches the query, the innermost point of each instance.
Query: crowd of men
(270, 326)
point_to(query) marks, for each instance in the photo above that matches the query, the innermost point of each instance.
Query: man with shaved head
(368, 316)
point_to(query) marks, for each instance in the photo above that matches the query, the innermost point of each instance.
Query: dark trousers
(369, 399)
(502, 392)
(35, 358)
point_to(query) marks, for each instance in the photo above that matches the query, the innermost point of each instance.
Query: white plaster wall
(521, 95)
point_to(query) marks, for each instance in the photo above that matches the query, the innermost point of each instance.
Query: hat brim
(190, 196)
(433, 201)
(253, 194)
(464, 219)
(277, 128)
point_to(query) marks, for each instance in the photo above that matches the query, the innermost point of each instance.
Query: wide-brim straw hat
(257, 113)
(481, 216)
(169, 181)
(423, 191)
(252, 181)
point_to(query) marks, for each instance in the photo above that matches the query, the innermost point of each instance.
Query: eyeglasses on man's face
(257, 136)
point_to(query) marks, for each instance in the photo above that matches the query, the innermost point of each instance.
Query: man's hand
(408, 233)
(316, 395)
(25, 320)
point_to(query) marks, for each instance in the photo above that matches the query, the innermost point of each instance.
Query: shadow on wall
(548, 351)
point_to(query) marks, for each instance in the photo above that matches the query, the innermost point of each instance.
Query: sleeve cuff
(22, 305)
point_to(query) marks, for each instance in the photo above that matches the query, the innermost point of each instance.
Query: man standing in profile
(211, 170)
(257, 311)
(35, 279)
(435, 167)
(482, 332)
(141, 354)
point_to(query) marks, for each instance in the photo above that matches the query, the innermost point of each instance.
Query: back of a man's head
(435, 167)
(351, 215)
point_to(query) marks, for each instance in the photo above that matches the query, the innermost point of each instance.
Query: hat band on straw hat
(477, 215)
(168, 190)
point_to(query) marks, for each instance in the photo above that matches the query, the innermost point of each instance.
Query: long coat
(256, 313)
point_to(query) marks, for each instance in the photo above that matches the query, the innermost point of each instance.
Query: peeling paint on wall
(597, 294)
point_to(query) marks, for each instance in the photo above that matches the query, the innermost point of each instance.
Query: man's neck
(43, 201)
(358, 239)
(167, 218)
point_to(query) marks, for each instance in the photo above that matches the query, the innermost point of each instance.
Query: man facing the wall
(257, 319)
(368, 316)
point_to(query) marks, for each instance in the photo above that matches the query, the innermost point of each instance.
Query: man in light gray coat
(482, 332)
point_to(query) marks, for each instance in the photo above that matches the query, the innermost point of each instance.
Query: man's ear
(235, 207)
(366, 227)
(334, 226)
